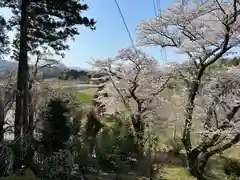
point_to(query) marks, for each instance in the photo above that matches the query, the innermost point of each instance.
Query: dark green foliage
(232, 167)
(223, 64)
(93, 125)
(59, 166)
(6, 158)
(115, 148)
(81, 154)
(75, 74)
(3, 37)
(60, 140)
(26, 175)
(56, 131)
(51, 23)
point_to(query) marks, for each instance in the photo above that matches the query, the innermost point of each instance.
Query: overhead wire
(130, 36)
(129, 33)
(164, 49)
(126, 26)
(158, 13)
(157, 5)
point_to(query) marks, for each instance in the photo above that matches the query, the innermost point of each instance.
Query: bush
(27, 175)
(115, 148)
(232, 168)
(60, 165)
(233, 178)
(56, 131)
(7, 158)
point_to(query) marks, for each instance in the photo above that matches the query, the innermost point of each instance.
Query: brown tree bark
(139, 128)
(1, 115)
(21, 112)
(193, 165)
(26, 100)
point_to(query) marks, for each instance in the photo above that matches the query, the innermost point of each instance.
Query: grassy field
(83, 91)
(85, 98)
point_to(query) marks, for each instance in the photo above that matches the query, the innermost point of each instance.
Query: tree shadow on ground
(172, 168)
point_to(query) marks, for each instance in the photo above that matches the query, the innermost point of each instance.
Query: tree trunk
(186, 139)
(193, 89)
(139, 130)
(26, 100)
(2, 119)
(21, 112)
(192, 155)
(203, 162)
(193, 165)
(22, 73)
(218, 150)
(31, 111)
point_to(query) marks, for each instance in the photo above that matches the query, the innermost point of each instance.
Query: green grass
(85, 98)
(176, 173)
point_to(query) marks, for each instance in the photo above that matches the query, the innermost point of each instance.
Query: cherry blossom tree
(219, 101)
(204, 31)
(42, 61)
(137, 81)
(7, 94)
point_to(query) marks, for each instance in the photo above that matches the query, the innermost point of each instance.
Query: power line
(129, 34)
(125, 24)
(157, 8)
(154, 7)
(158, 12)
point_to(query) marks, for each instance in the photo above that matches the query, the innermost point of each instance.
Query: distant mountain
(75, 68)
(8, 65)
(54, 71)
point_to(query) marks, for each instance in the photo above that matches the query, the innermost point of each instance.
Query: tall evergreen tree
(4, 40)
(51, 23)
(41, 25)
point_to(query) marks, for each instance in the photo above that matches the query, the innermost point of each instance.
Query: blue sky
(110, 34)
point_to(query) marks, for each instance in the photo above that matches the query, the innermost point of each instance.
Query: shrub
(27, 175)
(233, 178)
(6, 159)
(232, 168)
(60, 165)
(115, 148)
(56, 131)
